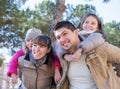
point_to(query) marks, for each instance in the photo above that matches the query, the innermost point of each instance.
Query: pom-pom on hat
(32, 33)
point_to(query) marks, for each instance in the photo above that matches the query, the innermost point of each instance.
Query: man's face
(66, 38)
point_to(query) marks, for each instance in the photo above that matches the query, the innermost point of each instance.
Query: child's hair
(100, 25)
(46, 41)
(30, 35)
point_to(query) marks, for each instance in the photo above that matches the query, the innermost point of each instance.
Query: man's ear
(76, 32)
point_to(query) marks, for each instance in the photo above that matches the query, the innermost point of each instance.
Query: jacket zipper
(36, 78)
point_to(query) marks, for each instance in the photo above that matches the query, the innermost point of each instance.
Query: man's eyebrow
(60, 34)
(63, 32)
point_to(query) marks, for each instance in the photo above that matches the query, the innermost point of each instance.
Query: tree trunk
(58, 13)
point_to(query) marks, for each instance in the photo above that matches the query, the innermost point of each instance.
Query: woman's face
(90, 23)
(39, 51)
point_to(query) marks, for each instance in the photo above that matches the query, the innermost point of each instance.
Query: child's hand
(68, 57)
(73, 57)
(77, 54)
(14, 78)
(57, 75)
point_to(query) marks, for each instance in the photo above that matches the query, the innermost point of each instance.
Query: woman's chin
(37, 58)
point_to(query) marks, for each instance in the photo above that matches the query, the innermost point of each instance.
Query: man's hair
(64, 24)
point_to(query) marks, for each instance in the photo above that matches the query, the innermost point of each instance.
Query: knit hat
(32, 33)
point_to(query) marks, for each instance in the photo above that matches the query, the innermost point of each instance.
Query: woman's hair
(30, 35)
(46, 41)
(100, 25)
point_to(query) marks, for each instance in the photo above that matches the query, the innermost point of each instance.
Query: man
(94, 69)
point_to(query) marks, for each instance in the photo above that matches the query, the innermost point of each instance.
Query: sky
(108, 11)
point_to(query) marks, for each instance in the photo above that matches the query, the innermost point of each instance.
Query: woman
(35, 68)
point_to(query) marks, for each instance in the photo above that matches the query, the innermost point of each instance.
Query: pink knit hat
(32, 33)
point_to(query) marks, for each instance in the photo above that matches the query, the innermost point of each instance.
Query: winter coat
(13, 64)
(99, 62)
(33, 77)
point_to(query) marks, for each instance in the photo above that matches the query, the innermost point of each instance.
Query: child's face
(90, 23)
(39, 51)
(29, 43)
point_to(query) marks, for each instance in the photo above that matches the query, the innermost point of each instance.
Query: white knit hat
(32, 33)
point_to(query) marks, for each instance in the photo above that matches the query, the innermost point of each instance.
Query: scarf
(85, 33)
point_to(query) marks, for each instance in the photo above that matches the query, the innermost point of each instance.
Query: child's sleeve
(91, 42)
(13, 64)
(57, 62)
(59, 51)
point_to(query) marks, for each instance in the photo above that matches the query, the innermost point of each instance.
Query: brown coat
(34, 78)
(100, 62)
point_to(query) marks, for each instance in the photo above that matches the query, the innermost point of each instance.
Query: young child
(91, 32)
(36, 67)
(27, 45)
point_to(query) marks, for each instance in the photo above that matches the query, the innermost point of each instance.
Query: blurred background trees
(112, 31)
(14, 21)
(1, 60)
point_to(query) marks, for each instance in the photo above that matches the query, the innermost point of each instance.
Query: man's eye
(64, 34)
(58, 38)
